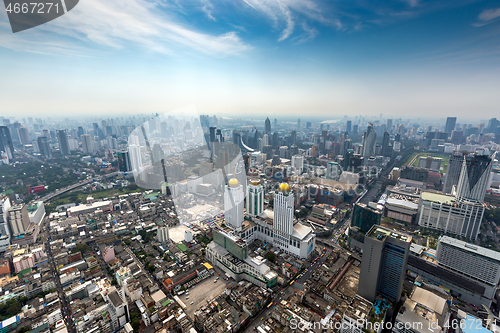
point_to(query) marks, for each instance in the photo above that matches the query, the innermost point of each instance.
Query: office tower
(276, 140)
(18, 219)
(163, 234)
(275, 122)
(493, 125)
(348, 126)
(6, 144)
(450, 125)
(283, 209)
(255, 198)
(212, 134)
(124, 163)
(294, 137)
(218, 136)
(135, 158)
(355, 129)
(63, 142)
(267, 127)
(112, 142)
(24, 135)
(383, 266)
(385, 145)
(157, 154)
(4, 226)
(389, 125)
(455, 164)
(473, 181)
(365, 217)
(80, 131)
(333, 170)
(471, 260)
(369, 141)
(308, 124)
(87, 146)
(234, 202)
(44, 146)
(298, 123)
(298, 164)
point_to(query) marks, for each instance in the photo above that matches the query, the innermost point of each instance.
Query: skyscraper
(6, 144)
(450, 125)
(389, 125)
(255, 198)
(4, 227)
(365, 217)
(124, 163)
(267, 127)
(383, 266)
(455, 164)
(44, 146)
(369, 141)
(348, 126)
(298, 123)
(234, 202)
(24, 135)
(63, 142)
(283, 209)
(473, 181)
(87, 143)
(385, 145)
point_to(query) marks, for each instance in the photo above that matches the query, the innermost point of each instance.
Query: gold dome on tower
(233, 182)
(284, 187)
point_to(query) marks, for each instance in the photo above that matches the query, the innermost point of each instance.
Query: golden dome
(233, 182)
(255, 182)
(284, 187)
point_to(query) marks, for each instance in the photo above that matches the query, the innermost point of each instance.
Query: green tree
(271, 256)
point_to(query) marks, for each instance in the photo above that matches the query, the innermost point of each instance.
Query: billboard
(36, 189)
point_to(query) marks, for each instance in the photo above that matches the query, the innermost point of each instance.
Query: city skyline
(258, 57)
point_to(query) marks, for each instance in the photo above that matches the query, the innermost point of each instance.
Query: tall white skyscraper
(298, 164)
(4, 228)
(234, 201)
(369, 141)
(283, 209)
(255, 199)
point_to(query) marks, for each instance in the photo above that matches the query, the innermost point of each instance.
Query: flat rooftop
(380, 233)
(470, 247)
(437, 197)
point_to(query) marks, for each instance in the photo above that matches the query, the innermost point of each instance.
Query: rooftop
(380, 233)
(470, 247)
(437, 197)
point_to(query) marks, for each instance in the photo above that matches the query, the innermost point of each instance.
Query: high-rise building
(6, 144)
(455, 164)
(163, 234)
(267, 126)
(348, 126)
(63, 142)
(24, 135)
(385, 145)
(4, 226)
(450, 125)
(333, 170)
(80, 131)
(298, 123)
(474, 177)
(369, 141)
(124, 162)
(283, 209)
(44, 146)
(87, 146)
(212, 133)
(255, 198)
(355, 129)
(234, 203)
(365, 217)
(468, 259)
(383, 266)
(389, 125)
(18, 219)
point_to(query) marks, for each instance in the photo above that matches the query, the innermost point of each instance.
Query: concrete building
(369, 141)
(163, 234)
(18, 220)
(474, 179)
(4, 224)
(356, 315)
(255, 198)
(425, 311)
(333, 171)
(365, 217)
(383, 267)
(470, 260)
(447, 214)
(234, 203)
(429, 162)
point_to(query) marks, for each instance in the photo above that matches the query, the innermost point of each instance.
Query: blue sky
(410, 58)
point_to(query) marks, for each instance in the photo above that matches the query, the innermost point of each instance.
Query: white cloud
(487, 16)
(118, 24)
(310, 33)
